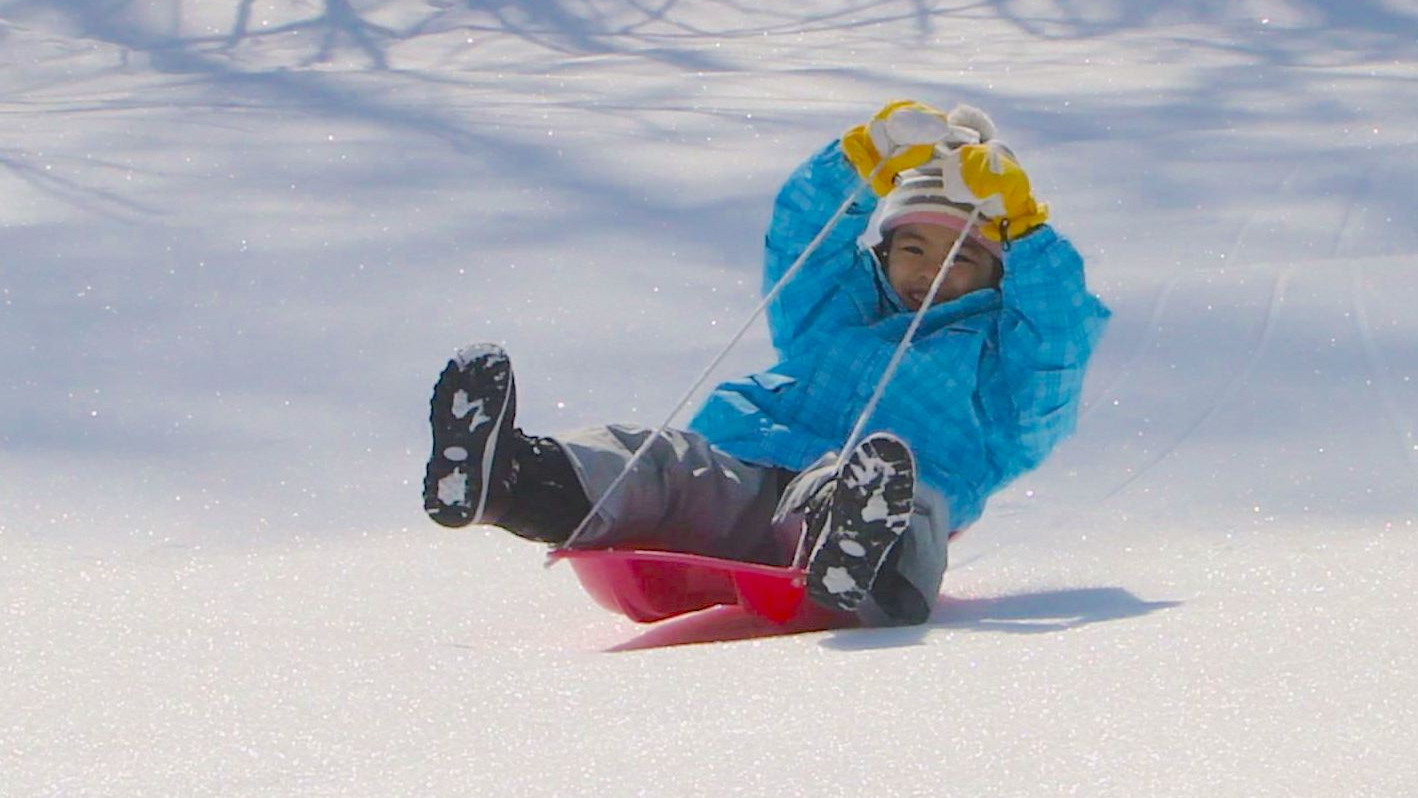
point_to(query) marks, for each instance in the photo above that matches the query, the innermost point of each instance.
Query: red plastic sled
(648, 586)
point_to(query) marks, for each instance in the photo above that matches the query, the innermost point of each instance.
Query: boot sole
(871, 509)
(466, 433)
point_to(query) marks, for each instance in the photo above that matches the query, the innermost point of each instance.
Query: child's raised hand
(989, 177)
(903, 135)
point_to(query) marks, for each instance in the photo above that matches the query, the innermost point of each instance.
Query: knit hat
(919, 196)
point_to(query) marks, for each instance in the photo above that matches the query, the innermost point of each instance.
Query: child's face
(916, 254)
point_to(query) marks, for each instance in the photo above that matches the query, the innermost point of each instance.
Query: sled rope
(778, 287)
(859, 431)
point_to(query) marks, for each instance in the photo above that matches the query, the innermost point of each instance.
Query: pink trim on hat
(943, 219)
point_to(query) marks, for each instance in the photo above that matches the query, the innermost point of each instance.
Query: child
(990, 383)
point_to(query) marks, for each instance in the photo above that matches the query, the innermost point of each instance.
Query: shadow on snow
(1026, 613)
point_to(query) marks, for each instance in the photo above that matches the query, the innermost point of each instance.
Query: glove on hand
(903, 136)
(988, 177)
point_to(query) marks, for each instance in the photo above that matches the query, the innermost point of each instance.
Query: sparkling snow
(237, 249)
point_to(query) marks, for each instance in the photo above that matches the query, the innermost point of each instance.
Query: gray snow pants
(685, 495)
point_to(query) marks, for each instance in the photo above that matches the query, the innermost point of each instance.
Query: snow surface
(240, 240)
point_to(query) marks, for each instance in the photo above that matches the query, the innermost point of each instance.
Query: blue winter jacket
(990, 385)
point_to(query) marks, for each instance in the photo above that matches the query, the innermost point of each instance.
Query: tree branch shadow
(1070, 19)
(667, 32)
(339, 22)
(99, 201)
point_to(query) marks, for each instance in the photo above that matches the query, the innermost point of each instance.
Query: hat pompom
(969, 116)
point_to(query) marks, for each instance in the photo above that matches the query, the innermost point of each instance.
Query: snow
(838, 580)
(462, 406)
(853, 549)
(453, 489)
(238, 242)
(876, 509)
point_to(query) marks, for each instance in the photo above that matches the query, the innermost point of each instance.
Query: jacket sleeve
(817, 296)
(1048, 327)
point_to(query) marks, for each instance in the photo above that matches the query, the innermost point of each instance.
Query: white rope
(859, 431)
(807, 252)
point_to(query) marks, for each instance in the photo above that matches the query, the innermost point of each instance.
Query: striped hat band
(920, 199)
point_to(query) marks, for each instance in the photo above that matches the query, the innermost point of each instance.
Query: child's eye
(914, 250)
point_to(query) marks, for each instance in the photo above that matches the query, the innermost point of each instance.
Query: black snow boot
(857, 530)
(471, 413)
(483, 470)
(545, 498)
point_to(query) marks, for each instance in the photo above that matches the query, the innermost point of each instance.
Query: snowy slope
(237, 240)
